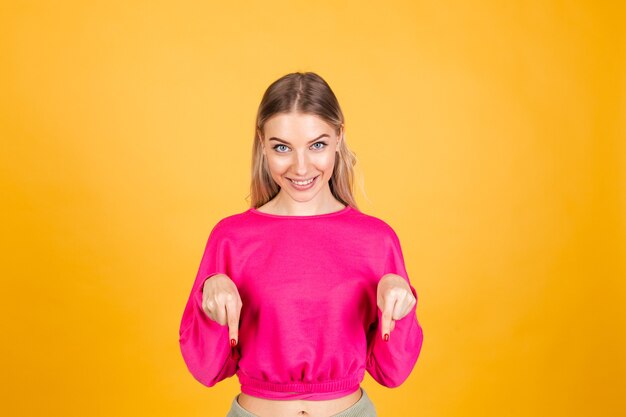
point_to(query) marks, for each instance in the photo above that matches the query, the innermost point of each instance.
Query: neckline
(312, 216)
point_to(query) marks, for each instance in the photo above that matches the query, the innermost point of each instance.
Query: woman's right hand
(222, 303)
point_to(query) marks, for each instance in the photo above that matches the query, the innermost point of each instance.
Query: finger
(389, 301)
(408, 303)
(398, 310)
(232, 313)
(208, 307)
(220, 313)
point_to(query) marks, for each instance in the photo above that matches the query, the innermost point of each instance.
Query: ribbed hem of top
(300, 390)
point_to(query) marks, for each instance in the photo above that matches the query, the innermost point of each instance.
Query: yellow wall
(491, 135)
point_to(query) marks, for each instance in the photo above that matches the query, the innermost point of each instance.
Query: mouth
(305, 184)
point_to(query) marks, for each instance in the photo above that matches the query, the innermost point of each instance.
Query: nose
(300, 164)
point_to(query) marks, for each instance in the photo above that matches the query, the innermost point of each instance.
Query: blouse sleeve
(204, 343)
(390, 363)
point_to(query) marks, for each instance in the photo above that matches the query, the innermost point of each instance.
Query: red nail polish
(386, 337)
(233, 342)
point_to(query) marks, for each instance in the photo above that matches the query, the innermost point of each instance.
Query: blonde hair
(303, 93)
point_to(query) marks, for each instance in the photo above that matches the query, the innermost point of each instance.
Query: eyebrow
(311, 141)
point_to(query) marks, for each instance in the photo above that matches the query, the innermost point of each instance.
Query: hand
(395, 300)
(222, 303)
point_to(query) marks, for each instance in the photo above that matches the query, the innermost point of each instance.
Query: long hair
(303, 93)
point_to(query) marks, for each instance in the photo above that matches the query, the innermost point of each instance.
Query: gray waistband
(362, 408)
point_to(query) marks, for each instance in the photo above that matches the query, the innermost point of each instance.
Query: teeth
(302, 182)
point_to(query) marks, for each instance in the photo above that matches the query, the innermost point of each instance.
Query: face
(300, 147)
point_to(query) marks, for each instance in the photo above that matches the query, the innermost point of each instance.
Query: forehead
(296, 126)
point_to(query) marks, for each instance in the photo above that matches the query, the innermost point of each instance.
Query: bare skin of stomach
(263, 407)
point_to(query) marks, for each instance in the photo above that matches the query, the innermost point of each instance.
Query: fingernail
(386, 337)
(233, 342)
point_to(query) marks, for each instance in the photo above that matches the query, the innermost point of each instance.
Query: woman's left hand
(395, 300)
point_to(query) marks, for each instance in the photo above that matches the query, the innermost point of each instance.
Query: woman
(299, 294)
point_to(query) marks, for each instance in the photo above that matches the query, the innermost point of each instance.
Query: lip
(303, 187)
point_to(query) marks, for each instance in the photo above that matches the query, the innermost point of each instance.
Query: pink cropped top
(309, 322)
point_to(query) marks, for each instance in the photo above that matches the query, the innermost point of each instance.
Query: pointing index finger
(232, 313)
(389, 302)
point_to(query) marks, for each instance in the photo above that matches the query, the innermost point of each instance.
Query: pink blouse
(309, 323)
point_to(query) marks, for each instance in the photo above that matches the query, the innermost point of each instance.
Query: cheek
(278, 165)
(325, 162)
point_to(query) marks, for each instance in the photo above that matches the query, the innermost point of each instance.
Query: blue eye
(276, 147)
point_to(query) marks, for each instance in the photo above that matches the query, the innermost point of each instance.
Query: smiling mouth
(304, 182)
